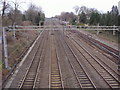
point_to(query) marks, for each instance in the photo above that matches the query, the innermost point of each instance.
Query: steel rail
(29, 66)
(78, 79)
(55, 77)
(58, 63)
(38, 69)
(100, 45)
(98, 64)
(100, 51)
(99, 58)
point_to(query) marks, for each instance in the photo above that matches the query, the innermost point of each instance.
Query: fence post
(63, 30)
(98, 29)
(114, 30)
(14, 34)
(5, 49)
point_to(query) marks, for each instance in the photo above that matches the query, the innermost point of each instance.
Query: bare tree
(12, 14)
(76, 8)
(68, 16)
(84, 9)
(16, 7)
(34, 14)
(5, 6)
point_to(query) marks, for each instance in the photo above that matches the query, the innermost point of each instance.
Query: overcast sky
(55, 7)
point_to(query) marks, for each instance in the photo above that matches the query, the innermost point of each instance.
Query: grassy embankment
(17, 46)
(107, 35)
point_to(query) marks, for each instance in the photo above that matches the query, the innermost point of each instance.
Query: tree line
(91, 16)
(12, 15)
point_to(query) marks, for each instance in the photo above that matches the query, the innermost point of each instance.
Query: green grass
(91, 31)
(107, 35)
(1, 65)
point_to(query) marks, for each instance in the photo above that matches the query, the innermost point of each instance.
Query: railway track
(108, 77)
(18, 61)
(105, 48)
(55, 71)
(101, 56)
(30, 78)
(53, 41)
(41, 64)
(98, 54)
(80, 73)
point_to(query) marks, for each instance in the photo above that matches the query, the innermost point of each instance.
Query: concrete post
(63, 30)
(98, 29)
(14, 34)
(39, 23)
(1, 57)
(114, 30)
(5, 49)
(119, 42)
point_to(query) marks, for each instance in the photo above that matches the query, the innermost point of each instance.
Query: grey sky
(55, 7)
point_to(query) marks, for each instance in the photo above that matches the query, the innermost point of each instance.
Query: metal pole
(5, 49)
(1, 57)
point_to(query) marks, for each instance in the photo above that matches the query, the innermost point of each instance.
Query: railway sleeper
(83, 75)
(27, 86)
(104, 74)
(55, 71)
(55, 75)
(55, 79)
(30, 78)
(108, 77)
(56, 85)
(87, 85)
(80, 73)
(33, 70)
(31, 74)
(56, 82)
(112, 82)
(84, 80)
(102, 71)
(115, 85)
